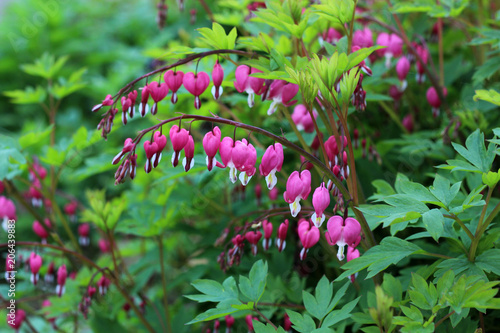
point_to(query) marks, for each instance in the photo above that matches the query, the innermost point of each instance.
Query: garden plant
(250, 166)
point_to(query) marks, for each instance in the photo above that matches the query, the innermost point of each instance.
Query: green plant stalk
(351, 28)
(480, 228)
(164, 284)
(64, 222)
(264, 317)
(462, 225)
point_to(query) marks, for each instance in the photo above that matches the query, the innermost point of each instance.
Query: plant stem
(265, 318)
(64, 222)
(351, 28)
(462, 224)
(164, 283)
(480, 228)
(277, 305)
(444, 318)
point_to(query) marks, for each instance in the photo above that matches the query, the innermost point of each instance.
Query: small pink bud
(83, 232)
(217, 78)
(61, 280)
(268, 231)
(402, 69)
(211, 144)
(253, 238)
(40, 231)
(188, 161)
(106, 102)
(35, 264)
(309, 236)
(408, 122)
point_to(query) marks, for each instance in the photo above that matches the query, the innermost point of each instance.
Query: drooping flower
(196, 84)
(249, 320)
(281, 92)
(363, 38)
(103, 285)
(7, 211)
(211, 144)
(35, 264)
(298, 186)
(408, 122)
(108, 101)
(302, 118)
(249, 84)
(309, 236)
(188, 161)
(104, 245)
(281, 238)
(321, 200)
(157, 92)
(331, 36)
(343, 232)
(62, 274)
(70, 210)
(352, 253)
(273, 194)
(128, 146)
(287, 324)
(272, 161)
(161, 140)
(174, 80)
(244, 158)
(16, 319)
(424, 56)
(402, 69)
(393, 46)
(434, 101)
(83, 233)
(253, 238)
(217, 78)
(268, 232)
(229, 323)
(179, 138)
(143, 106)
(40, 231)
(151, 148)
(49, 276)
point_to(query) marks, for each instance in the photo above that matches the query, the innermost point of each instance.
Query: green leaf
(302, 324)
(338, 315)
(213, 314)
(390, 251)
(11, 157)
(253, 287)
(441, 189)
(475, 151)
(491, 96)
(489, 261)
(46, 66)
(213, 291)
(33, 138)
(54, 156)
(265, 328)
(434, 223)
(318, 306)
(491, 178)
(29, 95)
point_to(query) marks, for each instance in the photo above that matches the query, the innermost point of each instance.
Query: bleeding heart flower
(106, 102)
(211, 144)
(40, 231)
(188, 161)
(363, 38)
(298, 186)
(244, 157)
(352, 253)
(151, 148)
(321, 200)
(282, 92)
(62, 274)
(281, 239)
(157, 92)
(128, 146)
(272, 161)
(268, 231)
(174, 79)
(302, 118)
(35, 264)
(226, 154)
(249, 84)
(17, 320)
(161, 140)
(196, 84)
(434, 101)
(402, 69)
(394, 46)
(424, 55)
(309, 236)
(343, 232)
(83, 233)
(143, 106)
(217, 78)
(7, 211)
(253, 238)
(179, 138)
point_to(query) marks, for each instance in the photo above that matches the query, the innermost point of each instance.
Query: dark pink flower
(302, 118)
(249, 84)
(35, 264)
(343, 232)
(281, 92)
(253, 238)
(16, 319)
(320, 200)
(434, 101)
(268, 231)
(106, 102)
(174, 79)
(393, 46)
(143, 106)
(363, 38)
(188, 161)
(157, 92)
(217, 78)
(408, 122)
(196, 84)
(309, 236)
(272, 161)
(62, 274)
(128, 146)
(83, 233)
(211, 144)
(7, 211)
(244, 157)
(151, 148)
(40, 231)
(281, 238)
(424, 55)
(179, 138)
(298, 186)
